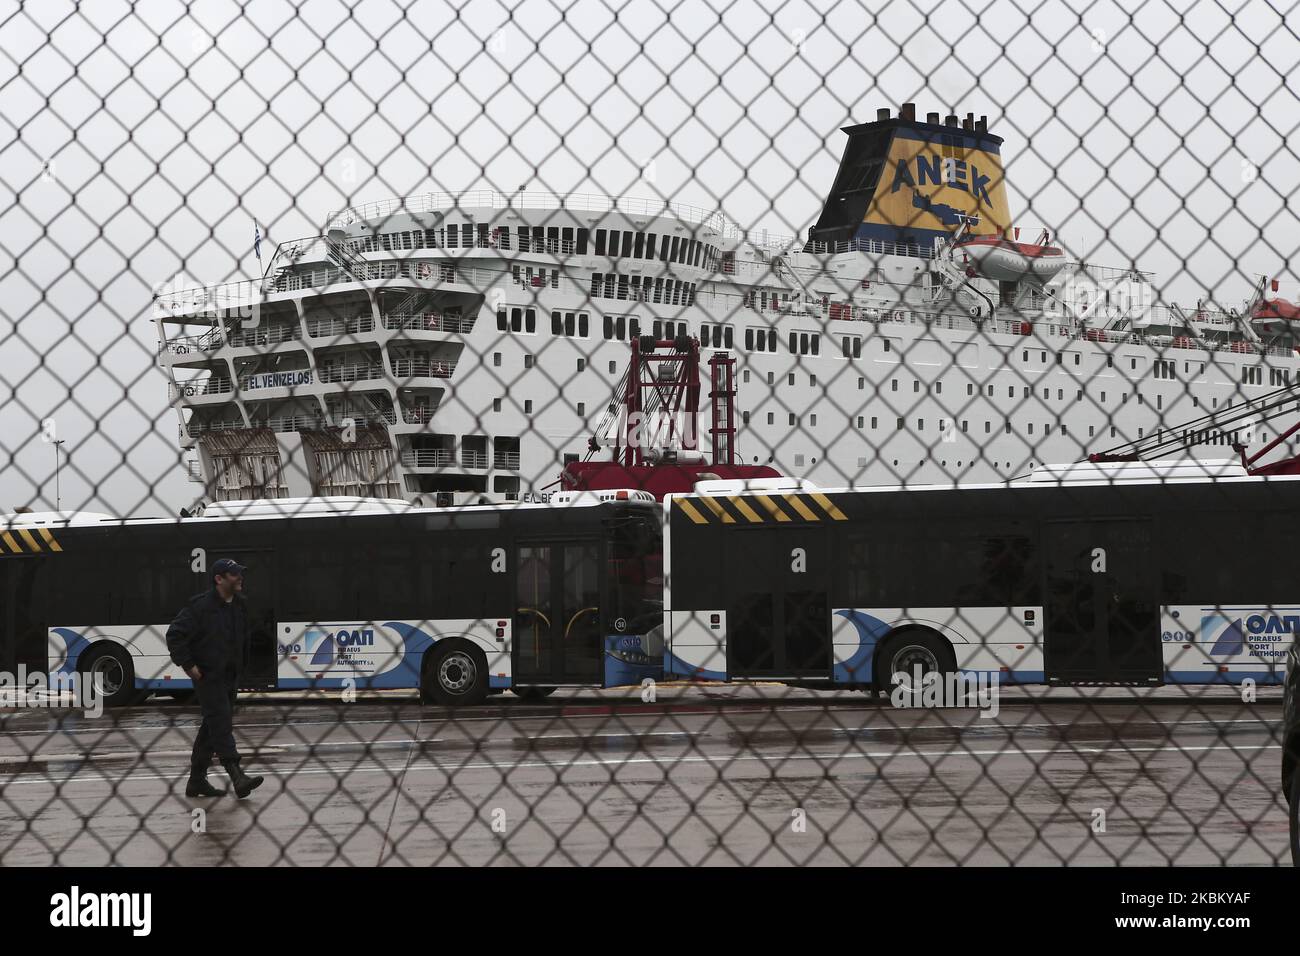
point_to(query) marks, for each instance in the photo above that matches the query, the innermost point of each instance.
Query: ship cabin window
(570, 324)
(528, 406)
(583, 235)
(496, 404)
(673, 254)
(893, 384)
(873, 421)
(582, 408)
(851, 346)
(613, 367)
(760, 340)
(496, 359)
(1164, 368)
(716, 336)
(599, 244)
(813, 419)
(793, 420)
(517, 320)
(582, 365)
(1252, 375)
(744, 418)
(616, 327)
(790, 379)
(805, 343)
(862, 383)
(650, 245)
(528, 361)
(1277, 376)
(771, 418)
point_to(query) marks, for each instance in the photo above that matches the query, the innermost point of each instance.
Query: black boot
(244, 784)
(199, 786)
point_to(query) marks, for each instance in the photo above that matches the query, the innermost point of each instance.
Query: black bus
(456, 603)
(1121, 579)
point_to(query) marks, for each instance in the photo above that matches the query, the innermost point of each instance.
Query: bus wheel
(455, 675)
(112, 674)
(906, 652)
(533, 693)
(1294, 815)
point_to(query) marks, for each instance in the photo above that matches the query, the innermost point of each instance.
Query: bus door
(557, 625)
(260, 593)
(778, 621)
(1103, 621)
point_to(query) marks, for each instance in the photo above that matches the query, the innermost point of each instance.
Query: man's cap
(227, 566)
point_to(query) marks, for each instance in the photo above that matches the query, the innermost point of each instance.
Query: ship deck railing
(429, 322)
(330, 328)
(441, 203)
(349, 373)
(213, 385)
(403, 368)
(428, 457)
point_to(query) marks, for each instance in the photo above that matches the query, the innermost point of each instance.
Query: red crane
(656, 425)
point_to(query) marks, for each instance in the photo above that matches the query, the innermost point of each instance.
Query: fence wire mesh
(979, 309)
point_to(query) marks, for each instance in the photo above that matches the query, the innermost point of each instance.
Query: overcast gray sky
(139, 143)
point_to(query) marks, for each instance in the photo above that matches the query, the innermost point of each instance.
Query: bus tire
(110, 667)
(1293, 815)
(905, 649)
(533, 693)
(455, 675)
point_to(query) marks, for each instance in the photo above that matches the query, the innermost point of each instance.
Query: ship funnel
(895, 183)
(882, 115)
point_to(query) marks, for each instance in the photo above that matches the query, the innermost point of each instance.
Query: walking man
(209, 641)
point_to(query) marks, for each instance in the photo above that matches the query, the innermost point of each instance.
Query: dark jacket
(207, 634)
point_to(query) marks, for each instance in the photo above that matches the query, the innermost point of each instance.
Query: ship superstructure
(443, 347)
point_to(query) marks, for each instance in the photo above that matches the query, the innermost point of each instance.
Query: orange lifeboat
(1276, 316)
(997, 258)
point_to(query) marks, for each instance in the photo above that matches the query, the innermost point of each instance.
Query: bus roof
(265, 509)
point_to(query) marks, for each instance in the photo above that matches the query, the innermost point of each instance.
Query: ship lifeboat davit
(1276, 316)
(997, 258)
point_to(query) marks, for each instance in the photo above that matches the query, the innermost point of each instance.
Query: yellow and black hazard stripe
(28, 541)
(777, 508)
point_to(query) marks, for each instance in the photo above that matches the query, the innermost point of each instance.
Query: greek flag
(257, 241)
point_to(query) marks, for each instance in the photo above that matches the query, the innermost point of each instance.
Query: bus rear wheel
(533, 693)
(455, 675)
(110, 671)
(906, 652)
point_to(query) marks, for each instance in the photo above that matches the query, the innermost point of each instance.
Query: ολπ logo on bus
(323, 643)
(1235, 634)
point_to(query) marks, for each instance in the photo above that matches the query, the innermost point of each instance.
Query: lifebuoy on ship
(997, 258)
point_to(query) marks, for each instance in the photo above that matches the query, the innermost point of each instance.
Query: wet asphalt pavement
(720, 775)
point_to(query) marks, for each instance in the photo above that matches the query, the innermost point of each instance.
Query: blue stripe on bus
(858, 668)
(674, 666)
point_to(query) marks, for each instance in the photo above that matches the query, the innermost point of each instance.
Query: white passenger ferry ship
(443, 347)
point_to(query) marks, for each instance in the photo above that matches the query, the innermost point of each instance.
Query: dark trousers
(217, 732)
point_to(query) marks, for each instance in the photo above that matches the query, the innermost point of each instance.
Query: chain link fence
(433, 319)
